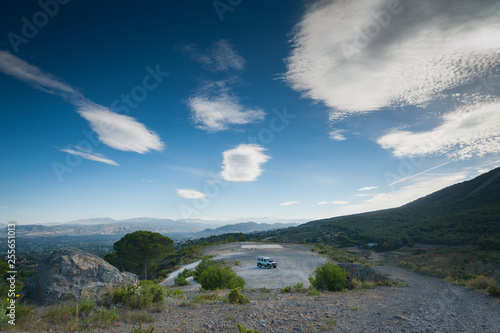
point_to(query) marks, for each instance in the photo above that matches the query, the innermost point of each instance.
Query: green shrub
(298, 288)
(202, 266)
(480, 282)
(186, 273)
(236, 297)
(218, 277)
(142, 296)
(237, 263)
(180, 281)
(139, 329)
(313, 292)
(329, 277)
(175, 293)
(86, 305)
(494, 291)
(242, 329)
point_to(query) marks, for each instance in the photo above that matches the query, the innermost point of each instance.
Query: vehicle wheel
(258, 265)
(268, 266)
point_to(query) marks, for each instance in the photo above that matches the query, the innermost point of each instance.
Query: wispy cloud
(470, 130)
(420, 187)
(363, 195)
(21, 70)
(189, 194)
(338, 135)
(367, 188)
(117, 131)
(78, 151)
(3, 207)
(426, 48)
(220, 56)
(217, 111)
(215, 107)
(147, 180)
(243, 163)
(289, 203)
(416, 175)
(337, 202)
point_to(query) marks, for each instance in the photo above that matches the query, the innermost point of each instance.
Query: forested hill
(467, 213)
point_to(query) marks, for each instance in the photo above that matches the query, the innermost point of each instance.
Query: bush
(480, 282)
(329, 277)
(217, 277)
(237, 263)
(202, 266)
(142, 296)
(242, 329)
(313, 292)
(235, 297)
(175, 293)
(86, 305)
(180, 281)
(298, 288)
(494, 291)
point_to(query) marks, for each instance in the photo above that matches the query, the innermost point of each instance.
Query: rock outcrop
(72, 274)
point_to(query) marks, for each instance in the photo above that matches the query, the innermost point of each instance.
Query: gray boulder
(72, 274)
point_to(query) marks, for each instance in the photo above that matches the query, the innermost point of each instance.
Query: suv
(266, 262)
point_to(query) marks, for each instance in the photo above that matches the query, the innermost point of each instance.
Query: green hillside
(467, 213)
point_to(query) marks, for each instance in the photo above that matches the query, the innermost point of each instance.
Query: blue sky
(242, 109)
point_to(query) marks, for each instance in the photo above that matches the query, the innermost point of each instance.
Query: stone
(70, 273)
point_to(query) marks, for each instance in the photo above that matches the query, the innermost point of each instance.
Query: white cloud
(367, 188)
(217, 112)
(243, 163)
(78, 151)
(221, 56)
(21, 70)
(357, 56)
(363, 195)
(338, 202)
(338, 135)
(119, 131)
(288, 203)
(189, 194)
(468, 131)
(421, 186)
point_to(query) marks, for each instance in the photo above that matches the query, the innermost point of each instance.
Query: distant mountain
(175, 229)
(244, 228)
(464, 213)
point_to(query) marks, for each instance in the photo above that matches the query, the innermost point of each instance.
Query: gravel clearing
(426, 304)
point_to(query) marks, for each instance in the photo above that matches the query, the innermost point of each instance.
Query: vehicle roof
(264, 257)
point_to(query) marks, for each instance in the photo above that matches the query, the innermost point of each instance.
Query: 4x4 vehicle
(266, 262)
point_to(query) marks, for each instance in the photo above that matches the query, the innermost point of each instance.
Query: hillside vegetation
(467, 213)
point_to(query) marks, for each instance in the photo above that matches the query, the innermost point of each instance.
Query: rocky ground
(425, 304)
